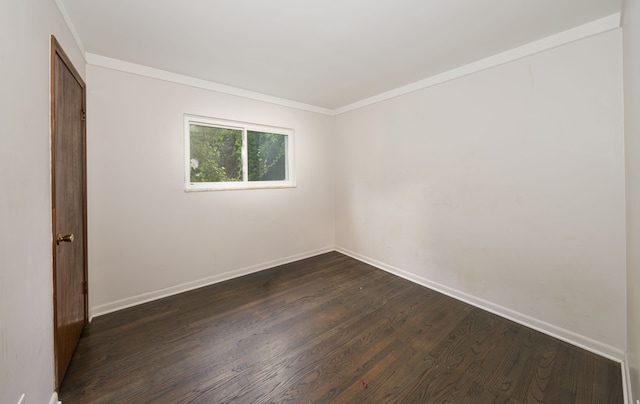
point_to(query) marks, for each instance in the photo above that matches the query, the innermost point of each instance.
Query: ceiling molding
(583, 31)
(72, 28)
(146, 71)
(580, 32)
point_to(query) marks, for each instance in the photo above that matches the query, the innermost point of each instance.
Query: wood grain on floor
(328, 329)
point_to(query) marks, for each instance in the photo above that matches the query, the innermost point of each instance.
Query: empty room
(334, 202)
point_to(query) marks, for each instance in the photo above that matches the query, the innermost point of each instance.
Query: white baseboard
(185, 287)
(570, 337)
(626, 381)
(54, 399)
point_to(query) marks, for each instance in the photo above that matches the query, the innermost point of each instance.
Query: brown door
(69, 207)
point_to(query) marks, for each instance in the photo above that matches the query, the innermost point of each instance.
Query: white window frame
(290, 182)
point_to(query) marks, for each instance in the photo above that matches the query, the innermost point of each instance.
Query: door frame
(58, 52)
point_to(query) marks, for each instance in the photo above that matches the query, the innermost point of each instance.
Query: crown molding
(146, 71)
(574, 34)
(72, 28)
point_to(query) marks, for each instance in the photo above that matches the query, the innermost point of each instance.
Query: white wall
(631, 29)
(26, 310)
(146, 234)
(505, 187)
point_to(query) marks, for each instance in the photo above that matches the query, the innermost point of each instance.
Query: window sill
(238, 186)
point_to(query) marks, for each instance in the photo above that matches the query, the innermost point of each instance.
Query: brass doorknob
(68, 238)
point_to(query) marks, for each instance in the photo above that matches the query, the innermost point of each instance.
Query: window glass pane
(216, 154)
(267, 156)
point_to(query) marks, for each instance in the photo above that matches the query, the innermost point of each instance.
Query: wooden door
(68, 140)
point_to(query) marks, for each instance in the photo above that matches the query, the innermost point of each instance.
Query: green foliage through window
(216, 154)
(266, 156)
(224, 154)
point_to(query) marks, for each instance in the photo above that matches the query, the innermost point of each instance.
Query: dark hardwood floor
(328, 329)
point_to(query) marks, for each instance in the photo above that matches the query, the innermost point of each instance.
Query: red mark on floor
(364, 384)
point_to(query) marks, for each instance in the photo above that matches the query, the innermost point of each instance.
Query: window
(234, 155)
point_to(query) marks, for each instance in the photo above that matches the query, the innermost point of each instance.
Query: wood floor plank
(328, 329)
(457, 360)
(505, 363)
(375, 349)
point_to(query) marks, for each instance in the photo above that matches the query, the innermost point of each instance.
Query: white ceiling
(326, 53)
